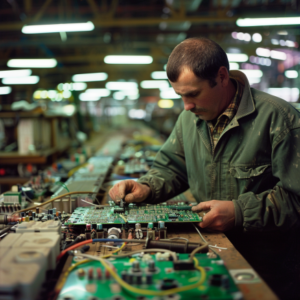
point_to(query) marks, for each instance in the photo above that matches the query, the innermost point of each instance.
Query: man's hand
(221, 215)
(130, 191)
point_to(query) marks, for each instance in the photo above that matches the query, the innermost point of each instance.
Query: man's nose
(187, 104)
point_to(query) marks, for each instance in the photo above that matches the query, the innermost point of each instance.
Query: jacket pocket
(250, 179)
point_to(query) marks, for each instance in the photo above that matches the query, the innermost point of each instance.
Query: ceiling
(134, 27)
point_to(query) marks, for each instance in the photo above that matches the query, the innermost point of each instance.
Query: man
(238, 150)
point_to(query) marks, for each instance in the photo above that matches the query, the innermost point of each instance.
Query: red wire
(73, 247)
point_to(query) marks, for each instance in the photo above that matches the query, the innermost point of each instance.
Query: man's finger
(207, 220)
(129, 198)
(202, 206)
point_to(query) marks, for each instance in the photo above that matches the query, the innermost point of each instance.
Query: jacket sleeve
(278, 208)
(167, 176)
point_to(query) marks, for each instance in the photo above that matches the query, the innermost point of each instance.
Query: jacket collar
(246, 106)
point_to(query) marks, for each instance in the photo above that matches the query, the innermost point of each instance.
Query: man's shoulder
(264, 99)
(267, 104)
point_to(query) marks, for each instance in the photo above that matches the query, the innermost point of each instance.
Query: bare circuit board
(132, 213)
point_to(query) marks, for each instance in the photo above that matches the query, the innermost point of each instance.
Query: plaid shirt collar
(217, 127)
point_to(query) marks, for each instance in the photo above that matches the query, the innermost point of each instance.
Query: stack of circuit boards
(133, 213)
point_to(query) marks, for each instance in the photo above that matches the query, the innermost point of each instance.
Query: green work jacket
(255, 163)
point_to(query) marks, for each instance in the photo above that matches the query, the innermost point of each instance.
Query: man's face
(199, 97)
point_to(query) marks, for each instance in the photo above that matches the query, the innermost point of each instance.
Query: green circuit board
(144, 213)
(90, 281)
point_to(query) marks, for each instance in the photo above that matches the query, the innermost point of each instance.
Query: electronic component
(154, 275)
(113, 233)
(142, 213)
(180, 247)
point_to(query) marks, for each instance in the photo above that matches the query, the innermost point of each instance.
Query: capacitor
(54, 210)
(114, 233)
(138, 226)
(33, 214)
(26, 219)
(59, 214)
(30, 218)
(99, 227)
(129, 278)
(80, 272)
(37, 210)
(22, 214)
(88, 226)
(124, 275)
(107, 274)
(138, 278)
(50, 211)
(99, 273)
(150, 225)
(149, 278)
(135, 266)
(161, 224)
(94, 226)
(151, 266)
(91, 273)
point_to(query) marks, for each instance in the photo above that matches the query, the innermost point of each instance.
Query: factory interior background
(85, 101)
(108, 71)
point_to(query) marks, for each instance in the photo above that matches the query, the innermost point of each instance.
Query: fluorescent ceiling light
(169, 94)
(253, 80)
(128, 59)
(282, 32)
(165, 103)
(69, 109)
(90, 77)
(155, 84)
(237, 57)
(99, 92)
(21, 80)
(256, 37)
(15, 73)
(253, 73)
(159, 75)
(288, 94)
(118, 96)
(234, 66)
(89, 97)
(263, 52)
(250, 22)
(137, 113)
(32, 63)
(121, 85)
(68, 27)
(291, 74)
(130, 94)
(5, 90)
(278, 55)
(78, 86)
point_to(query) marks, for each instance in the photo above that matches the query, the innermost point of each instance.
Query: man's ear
(224, 76)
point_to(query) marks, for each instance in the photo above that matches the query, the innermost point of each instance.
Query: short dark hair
(201, 55)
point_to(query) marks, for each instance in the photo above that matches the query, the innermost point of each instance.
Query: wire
(125, 220)
(210, 246)
(53, 199)
(66, 274)
(199, 233)
(173, 254)
(63, 185)
(93, 203)
(71, 172)
(93, 241)
(139, 291)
